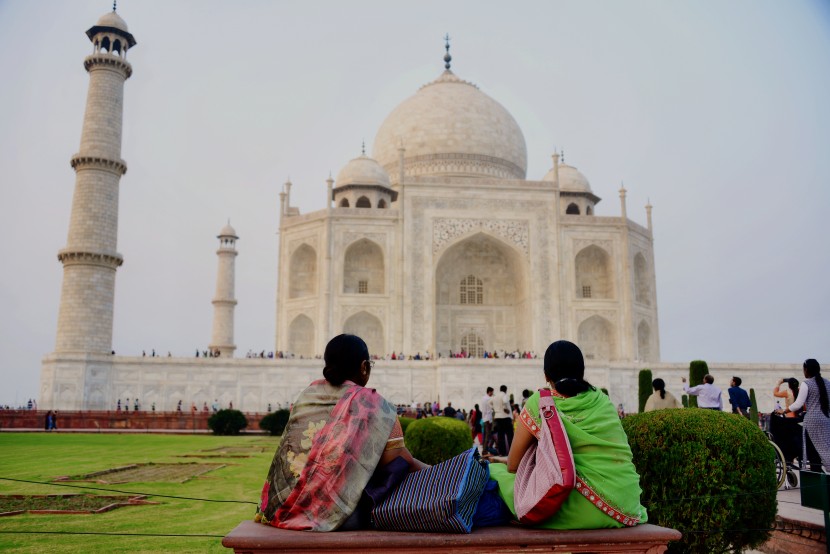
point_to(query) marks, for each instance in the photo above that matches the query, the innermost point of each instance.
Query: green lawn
(42, 457)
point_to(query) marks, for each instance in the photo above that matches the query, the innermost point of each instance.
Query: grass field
(42, 457)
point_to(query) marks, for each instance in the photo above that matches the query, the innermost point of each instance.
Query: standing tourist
(787, 394)
(709, 397)
(503, 421)
(487, 418)
(812, 394)
(738, 398)
(660, 399)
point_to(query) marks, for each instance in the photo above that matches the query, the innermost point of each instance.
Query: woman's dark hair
(660, 385)
(344, 357)
(812, 369)
(565, 368)
(792, 382)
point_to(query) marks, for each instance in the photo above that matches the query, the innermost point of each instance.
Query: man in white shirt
(503, 421)
(708, 395)
(487, 419)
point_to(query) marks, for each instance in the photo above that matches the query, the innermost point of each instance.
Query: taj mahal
(438, 245)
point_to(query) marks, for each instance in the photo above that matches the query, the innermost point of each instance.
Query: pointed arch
(363, 202)
(105, 44)
(369, 328)
(481, 283)
(473, 345)
(363, 268)
(301, 336)
(302, 272)
(593, 273)
(344, 203)
(642, 283)
(597, 339)
(572, 209)
(644, 341)
(382, 204)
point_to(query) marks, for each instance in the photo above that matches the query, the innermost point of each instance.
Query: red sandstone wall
(31, 419)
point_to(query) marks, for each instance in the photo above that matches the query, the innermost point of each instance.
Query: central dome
(449, 127)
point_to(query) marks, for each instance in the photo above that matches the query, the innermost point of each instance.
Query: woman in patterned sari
(607, 492)
(338, 433)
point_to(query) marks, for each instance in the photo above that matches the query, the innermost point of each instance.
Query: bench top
(251, 537)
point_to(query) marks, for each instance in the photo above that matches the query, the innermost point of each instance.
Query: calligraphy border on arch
(445, 229)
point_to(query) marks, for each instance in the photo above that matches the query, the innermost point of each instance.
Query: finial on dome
(113, 4)
(563, 155)
(447, 57)
(363, 147)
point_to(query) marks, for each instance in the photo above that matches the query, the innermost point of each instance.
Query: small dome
(570, 179)
(112, 19)
(363, 171)
(450, 127)
(228, 231)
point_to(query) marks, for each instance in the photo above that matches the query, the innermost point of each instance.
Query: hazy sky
(718, 112)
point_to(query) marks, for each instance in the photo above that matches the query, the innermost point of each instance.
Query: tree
(697, 369)
(645, 388)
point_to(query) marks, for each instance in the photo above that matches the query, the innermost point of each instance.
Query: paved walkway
(789, 507)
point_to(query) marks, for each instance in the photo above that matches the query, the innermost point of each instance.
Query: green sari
(608, 486)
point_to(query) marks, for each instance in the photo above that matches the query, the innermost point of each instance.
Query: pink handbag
(546, 474)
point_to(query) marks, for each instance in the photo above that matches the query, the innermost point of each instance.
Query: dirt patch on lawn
(14, 504)
(146, 473)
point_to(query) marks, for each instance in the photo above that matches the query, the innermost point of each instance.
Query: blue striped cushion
(441, 498)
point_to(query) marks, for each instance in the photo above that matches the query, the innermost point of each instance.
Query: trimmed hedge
(645, 388)
(708, 474)
(753, 409)
(697, 369)
(275, 422)
(227, 422)
(405, 421)
(435, 439)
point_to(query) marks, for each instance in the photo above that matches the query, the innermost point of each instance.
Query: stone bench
(249, 538)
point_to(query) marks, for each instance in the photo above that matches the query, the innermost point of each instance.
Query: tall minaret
(224, 301)
(90, 258)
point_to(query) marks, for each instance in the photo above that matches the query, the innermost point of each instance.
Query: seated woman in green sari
(607, 492)
(339, 432)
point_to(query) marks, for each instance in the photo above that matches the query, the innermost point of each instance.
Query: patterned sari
(607, 492)
(330, 448)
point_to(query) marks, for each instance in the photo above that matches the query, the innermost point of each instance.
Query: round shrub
(275, 422)
(435, 439)
(708, 474)
(227, 422)
(405, 421)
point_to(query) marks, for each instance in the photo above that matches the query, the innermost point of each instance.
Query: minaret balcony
(80, 161)
(69, 256)
(105, 60)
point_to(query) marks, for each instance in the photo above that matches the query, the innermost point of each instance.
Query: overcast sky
(717, 112)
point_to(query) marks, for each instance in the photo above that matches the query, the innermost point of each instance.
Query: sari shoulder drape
(331, 446)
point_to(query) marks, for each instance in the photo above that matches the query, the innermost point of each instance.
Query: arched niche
(382, 204)
(642, 283)
(497, 274)
(301, 336)
(644, 341)
(593, 273)
(344, 203)
(363, 269)
(597, 339)
(572, 209)
(363, 202)
(302, 273)
(369, 328)
(473, 345)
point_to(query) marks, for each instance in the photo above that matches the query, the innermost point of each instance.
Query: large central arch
(481, 288)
